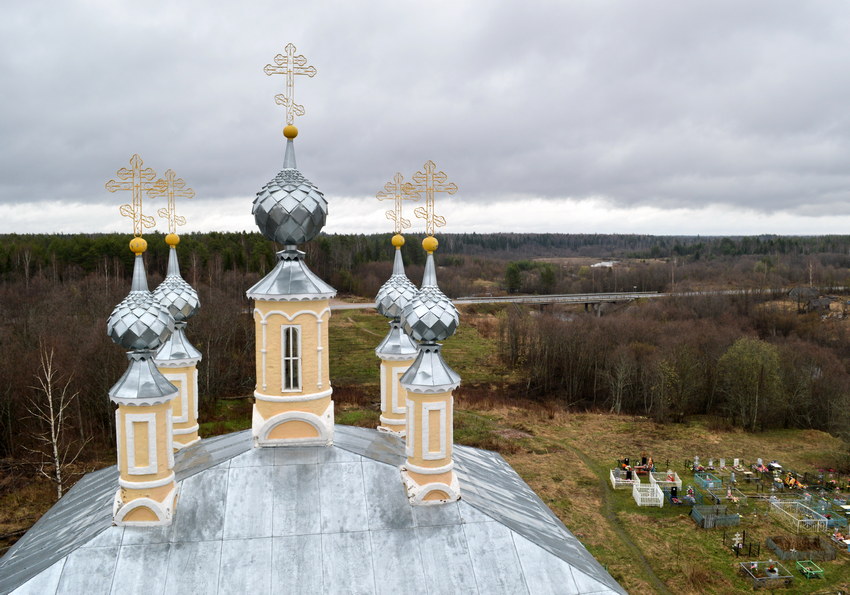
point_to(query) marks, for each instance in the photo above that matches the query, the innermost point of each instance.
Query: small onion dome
(430, 316)
(139, 322)
(175, 293)
(397, 292)
(290, 210)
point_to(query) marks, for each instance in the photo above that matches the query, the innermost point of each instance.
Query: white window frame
(289, 363)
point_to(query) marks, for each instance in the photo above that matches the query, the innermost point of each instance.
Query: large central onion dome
(290, 210)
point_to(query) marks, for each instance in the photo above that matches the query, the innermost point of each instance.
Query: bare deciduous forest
(747, 359)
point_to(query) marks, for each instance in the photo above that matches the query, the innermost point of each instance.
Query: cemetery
(746, 500)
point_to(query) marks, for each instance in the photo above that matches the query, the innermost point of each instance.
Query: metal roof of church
(311, 519)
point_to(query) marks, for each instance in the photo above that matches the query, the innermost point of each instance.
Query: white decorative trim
(178, 445)
(163, 510)
(263, 324)
(429, 470)
(183, 393)
(297, 359)
(146, 485)
(396, 373)
(184, 431)
(261, 428)
(416, 493)
(146, 402)
(195, 392)
(427, 453)
(291, 317)
(398, 433)
(411, 429)
(169, 438)
(293, 399)
(393, 422)
(383, 377)
(295, 297)
(177, 363)
(395, 357)
(129, 420)
(431, 390)
(319, 352)
(118, 440)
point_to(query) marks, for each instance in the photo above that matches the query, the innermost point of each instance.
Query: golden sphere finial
(172, 239)
(290, 131)
(138, 245)
(430, 244)
(397, 240)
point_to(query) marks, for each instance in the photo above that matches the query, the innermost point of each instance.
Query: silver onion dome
(175, 293)
(430, 316)
(289, 209)
(397, 292)
(139, 322)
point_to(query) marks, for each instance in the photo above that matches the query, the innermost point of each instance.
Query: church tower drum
(293, 403)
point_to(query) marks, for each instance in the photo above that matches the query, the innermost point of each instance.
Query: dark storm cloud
(669, 104)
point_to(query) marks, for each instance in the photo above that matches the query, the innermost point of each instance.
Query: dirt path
(610, 514)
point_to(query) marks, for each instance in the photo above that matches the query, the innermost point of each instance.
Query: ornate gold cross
(397, 191)
(137, 181)
(429, 181)
(290, 65)
(171, 187)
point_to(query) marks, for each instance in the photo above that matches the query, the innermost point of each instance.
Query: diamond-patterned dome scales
(139, 322)
(397, 292)
(175, 293)
(430, 316)
(289, 209)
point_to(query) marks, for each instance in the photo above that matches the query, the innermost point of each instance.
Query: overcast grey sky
(668, 117)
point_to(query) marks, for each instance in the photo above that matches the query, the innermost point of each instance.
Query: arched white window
(290, 353)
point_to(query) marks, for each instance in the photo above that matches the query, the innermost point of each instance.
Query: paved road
(591, 298)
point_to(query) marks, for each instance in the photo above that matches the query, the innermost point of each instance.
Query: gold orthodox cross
(137, 181)
(398, 192)
(429, 181)
(290, 65)
(171, 187)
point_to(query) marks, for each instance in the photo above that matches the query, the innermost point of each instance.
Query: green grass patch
(364, 418)
(354, 335)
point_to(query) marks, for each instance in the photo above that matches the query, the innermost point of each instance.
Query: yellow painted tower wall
(393, 396)
(184, 407)
(313, 399)
(145, 464)
(428, 470)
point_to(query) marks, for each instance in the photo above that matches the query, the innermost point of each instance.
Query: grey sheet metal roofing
(397, 344)
(291, 279)
(314, 519)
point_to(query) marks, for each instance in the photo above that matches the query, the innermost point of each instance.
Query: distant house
(605, 264)
(820, 304)
(809, 299)
(803, 294)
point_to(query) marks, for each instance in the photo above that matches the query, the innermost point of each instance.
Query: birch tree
(49, 406)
